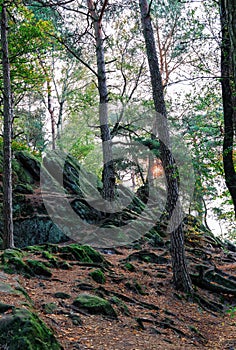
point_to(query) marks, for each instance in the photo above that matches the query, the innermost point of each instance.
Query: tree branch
(75, 55)
(103, 10)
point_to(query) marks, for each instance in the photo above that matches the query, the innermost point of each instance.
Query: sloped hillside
(119, 298)
(71, 296)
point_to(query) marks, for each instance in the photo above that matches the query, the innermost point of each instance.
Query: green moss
(121, 305)
(22, 291)
(25, 330)
(94, 305)
(135, 286)
(24, 188)
(13, 262)
(21, 174)
(130, 267)
(51, 258)
(98, 276)
(82, 253)
(74, 252)
(51, 248)
(154, 238)
(39, 268)
(18, 265)
(11, 253)
(50, 308)
(93, 254)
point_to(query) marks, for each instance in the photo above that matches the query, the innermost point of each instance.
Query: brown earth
(158, 317)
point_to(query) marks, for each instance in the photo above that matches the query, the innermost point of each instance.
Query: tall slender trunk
(108, 176)
(51, 112)
(8, 238)
(228, 50)
(49, 103)
(181, 276)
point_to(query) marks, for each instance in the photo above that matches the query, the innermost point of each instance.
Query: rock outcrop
(50, 197)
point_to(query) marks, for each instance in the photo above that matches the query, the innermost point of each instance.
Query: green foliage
(201, 126)
(28, 41)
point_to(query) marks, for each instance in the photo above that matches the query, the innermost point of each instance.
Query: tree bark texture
(228, 51)
(181, 276)
(108, 176)
(8, 238)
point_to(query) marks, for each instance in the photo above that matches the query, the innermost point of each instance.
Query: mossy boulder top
(23, 330)
(94, 305)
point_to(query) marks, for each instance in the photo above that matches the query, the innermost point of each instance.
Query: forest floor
(152, 314)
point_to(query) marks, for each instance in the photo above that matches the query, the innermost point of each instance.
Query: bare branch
(191, 79)
(75, 55)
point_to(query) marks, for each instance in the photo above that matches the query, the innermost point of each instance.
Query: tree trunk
(228, 51)
(51, 112)
(182, 280)
(8, 238)
(108, 176)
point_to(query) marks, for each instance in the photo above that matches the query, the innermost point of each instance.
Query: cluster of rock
(50, 196)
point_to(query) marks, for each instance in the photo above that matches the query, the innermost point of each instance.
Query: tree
(8, 238)
(228, 52)
(108, 175)
(182, 279)
(94, 14)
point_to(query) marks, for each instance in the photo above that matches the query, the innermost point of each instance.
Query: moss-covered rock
(39, 268)
(62, 295)
(17, 265)
(23, 188)
(130, 267)
(11, 253)
(75, 252)
(53, 261)
(123, 308)
(154, 238)
(29, 163)
(148, 257)
(12, 261)
(5, 307)
(64, 265)
(98, 276)
(24, 330)
(94, 305)
(82, 253)
(49, 308)
(93, 254)
(36, 229)
(48, 248)
(6, 288)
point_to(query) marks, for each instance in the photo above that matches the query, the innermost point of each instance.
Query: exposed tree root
(213, 279)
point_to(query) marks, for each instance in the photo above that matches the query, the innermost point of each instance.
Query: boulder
(23, 329)
(94, 305)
